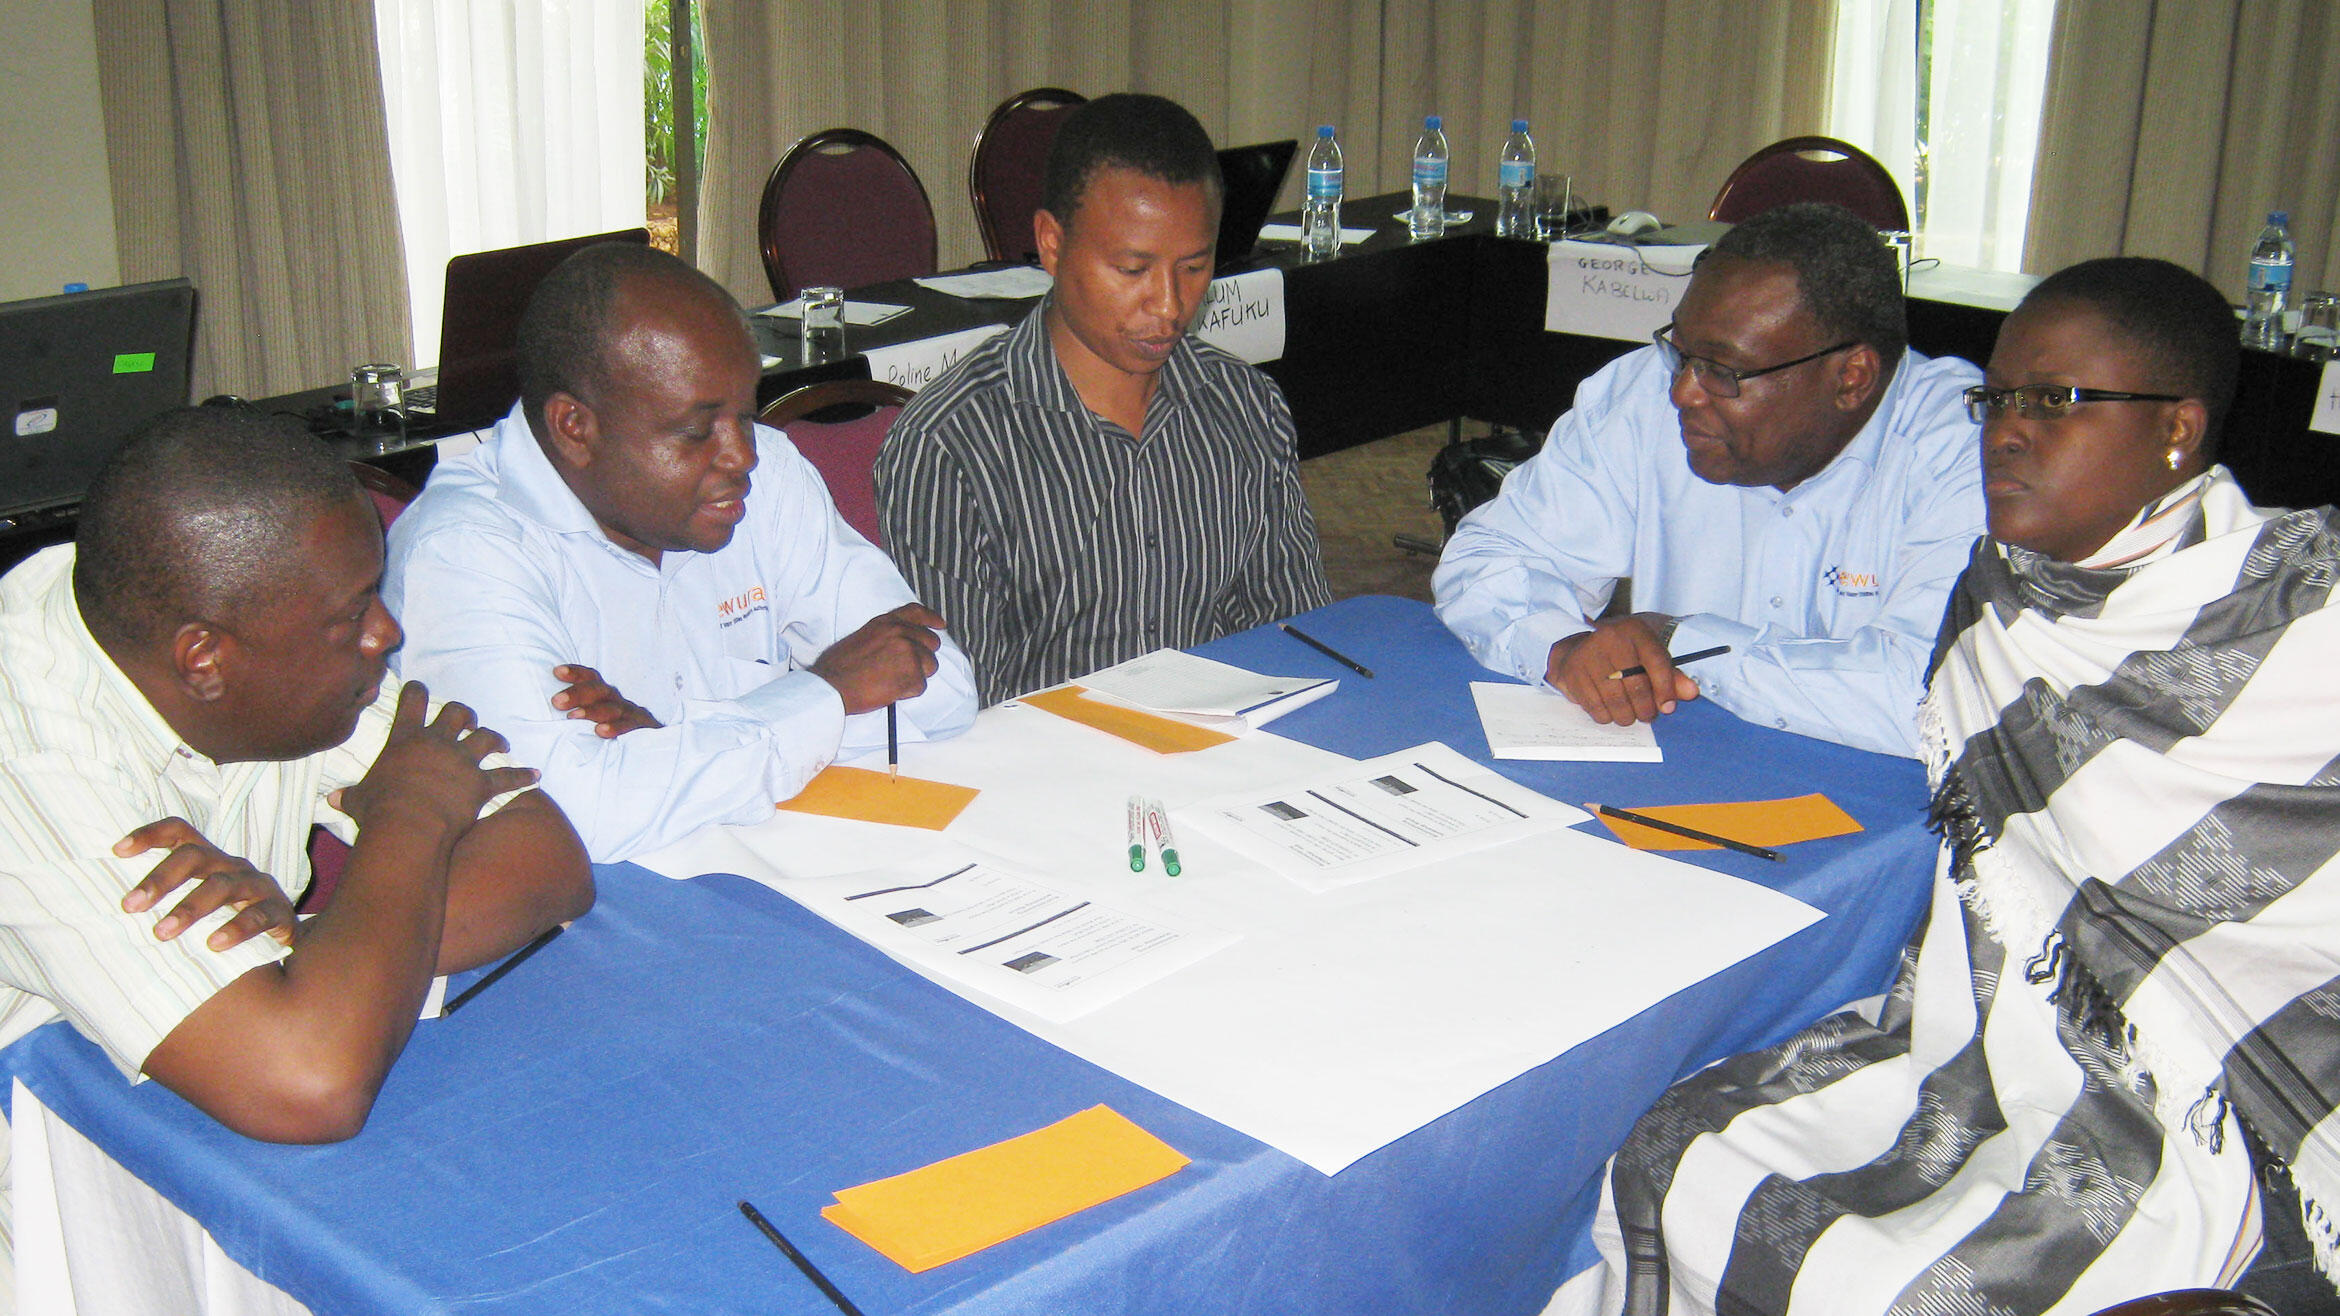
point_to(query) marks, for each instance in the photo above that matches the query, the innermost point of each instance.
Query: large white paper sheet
(1010, 283)
(1387, 815)
(1608, 290)
(1343, 1020)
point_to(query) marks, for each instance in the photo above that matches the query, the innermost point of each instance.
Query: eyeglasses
(2046, 401)
(1716, 378)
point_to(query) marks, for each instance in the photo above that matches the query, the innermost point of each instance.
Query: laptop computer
(80, 372)
(479, 375)
(1252, 176)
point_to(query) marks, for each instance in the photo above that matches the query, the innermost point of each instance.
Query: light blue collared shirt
(1829, 594)
(498, 574)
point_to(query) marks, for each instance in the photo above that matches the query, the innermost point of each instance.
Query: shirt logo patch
(739, 607)
(1851, 584)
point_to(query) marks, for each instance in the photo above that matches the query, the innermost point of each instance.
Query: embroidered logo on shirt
(740, 607)
(1851, 584)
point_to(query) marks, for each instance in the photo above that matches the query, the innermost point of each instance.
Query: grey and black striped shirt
(1055, 543)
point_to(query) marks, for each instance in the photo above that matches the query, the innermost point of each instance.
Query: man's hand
(887, 659)
(589, 697)
(224, 880)
(430, 773)
(1581, 665)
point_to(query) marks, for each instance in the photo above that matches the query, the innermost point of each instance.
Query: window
(672, 184)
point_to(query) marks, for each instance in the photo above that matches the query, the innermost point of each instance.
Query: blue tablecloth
(575, 1140)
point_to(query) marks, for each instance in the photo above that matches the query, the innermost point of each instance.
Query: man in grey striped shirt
(1098, 483)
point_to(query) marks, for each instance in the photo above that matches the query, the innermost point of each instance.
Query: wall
(56, 203)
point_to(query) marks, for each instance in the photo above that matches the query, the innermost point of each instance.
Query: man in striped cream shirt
(1098, 483)
(183, 693)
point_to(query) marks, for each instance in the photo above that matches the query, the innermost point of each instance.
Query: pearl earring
(2173, 459)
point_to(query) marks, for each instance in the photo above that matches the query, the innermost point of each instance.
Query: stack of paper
(960, 1206)
(1204, 692)
(1536, 722)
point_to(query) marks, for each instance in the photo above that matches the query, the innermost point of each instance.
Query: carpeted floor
(1364, 495)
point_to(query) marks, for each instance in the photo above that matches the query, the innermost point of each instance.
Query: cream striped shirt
(83, 760)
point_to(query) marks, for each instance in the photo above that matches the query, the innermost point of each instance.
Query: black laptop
(78, 374)
(1252, 175)
(479, 328)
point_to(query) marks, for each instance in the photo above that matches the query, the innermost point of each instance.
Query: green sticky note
(133, 363)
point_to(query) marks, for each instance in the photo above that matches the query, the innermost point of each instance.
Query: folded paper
(866, 796)
(960, 1206)
(1756, 822)
(1163, 735)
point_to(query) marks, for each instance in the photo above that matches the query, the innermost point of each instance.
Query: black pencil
(512, 962)
(803, 1262)
(893, 741)
(1692, 833)
(1638, 670)
(1327, 650)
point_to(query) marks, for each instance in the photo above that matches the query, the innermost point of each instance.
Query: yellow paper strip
(967, 1203)
(867, 796)
(1163, 735)
(1757, 822)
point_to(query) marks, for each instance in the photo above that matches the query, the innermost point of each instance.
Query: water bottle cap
(1519, 125)
(1432, 123)
(1324, 130)
(2282, 217)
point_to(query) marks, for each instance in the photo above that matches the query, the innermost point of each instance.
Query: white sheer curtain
(511, 121)
(1963, 144)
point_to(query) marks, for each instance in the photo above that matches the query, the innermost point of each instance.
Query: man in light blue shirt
(653, 593)
(1779, 474)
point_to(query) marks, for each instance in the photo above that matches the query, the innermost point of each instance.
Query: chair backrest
(1007, 165)
(841, 209)
(838, 426)
(387, 492)
(1812, 169)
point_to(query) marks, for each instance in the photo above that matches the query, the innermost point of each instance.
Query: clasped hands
(888, 659)
(1583, 667)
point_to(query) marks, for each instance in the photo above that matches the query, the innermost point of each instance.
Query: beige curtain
(1649, 104)
(248, 151)
(2172, 127)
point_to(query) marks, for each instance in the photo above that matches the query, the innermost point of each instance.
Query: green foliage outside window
(658, 97)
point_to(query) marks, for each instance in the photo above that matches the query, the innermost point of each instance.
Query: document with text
(1538, 722)
(1379, 817)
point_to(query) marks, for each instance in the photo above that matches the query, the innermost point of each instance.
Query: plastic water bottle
(1515, 184)
(1428, 219)
(1320, 213)
(2270, 283)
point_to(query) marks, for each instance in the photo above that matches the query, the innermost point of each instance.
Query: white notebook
(1537, 722)
(1200, 690)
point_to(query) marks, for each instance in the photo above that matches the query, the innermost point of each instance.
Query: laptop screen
(78, 374)
(479, 374)
(1252, 175)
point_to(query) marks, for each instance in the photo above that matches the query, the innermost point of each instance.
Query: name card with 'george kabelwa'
(1611, 290)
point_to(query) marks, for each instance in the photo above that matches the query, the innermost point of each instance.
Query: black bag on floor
(1468, 472)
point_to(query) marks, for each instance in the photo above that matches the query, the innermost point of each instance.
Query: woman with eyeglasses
(2126, 998)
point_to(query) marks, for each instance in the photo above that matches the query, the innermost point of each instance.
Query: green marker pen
(1137, 836)
(1158, 820)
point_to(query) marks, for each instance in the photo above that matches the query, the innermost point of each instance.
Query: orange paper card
(962, 1205)
(1163, 735)
(1757, 822)
(867, 796)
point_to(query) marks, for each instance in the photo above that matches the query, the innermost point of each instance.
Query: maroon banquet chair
(843, 209)
(839, 426)
(1006, 168)
(1812, 169)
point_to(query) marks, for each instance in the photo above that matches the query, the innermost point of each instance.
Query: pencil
(1692, 833)
(1638, 670)
(893, 742)
(1326, 649)
(803, 1262)
(512, 962)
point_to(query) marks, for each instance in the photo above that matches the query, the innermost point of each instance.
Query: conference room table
(577, 1138)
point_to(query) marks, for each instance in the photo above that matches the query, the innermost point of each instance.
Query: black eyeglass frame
(2033, 401)
(1718, 379)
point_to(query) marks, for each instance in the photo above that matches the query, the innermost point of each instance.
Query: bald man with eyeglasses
(1777, 473)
